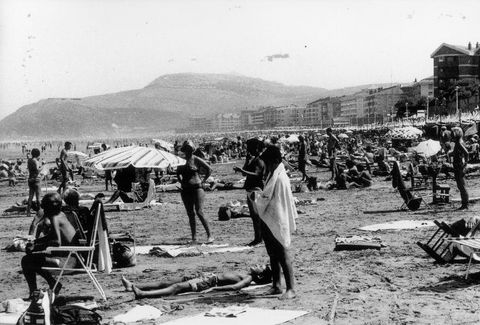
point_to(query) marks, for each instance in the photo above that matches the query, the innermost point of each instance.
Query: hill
(162, 105)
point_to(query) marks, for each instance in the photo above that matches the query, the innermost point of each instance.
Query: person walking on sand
(302, 158)
(460, 160)
(276, 208)
(65, 170)
(332, 144)
(254, 170)
(34, 179)
(192, 193)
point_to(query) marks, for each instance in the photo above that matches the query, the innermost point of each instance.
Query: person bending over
(204, 282)
(61, 233)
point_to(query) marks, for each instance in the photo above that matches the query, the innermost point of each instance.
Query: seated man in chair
(61, 233)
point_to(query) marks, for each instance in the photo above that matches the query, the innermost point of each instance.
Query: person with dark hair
(34, 179)
(65, 170)
(204, 282)
(302, 158)
(277, 211)
(254, 170)
(332, 144)
(72, 198)
(460, 159)
(192, 192)
(61, 233)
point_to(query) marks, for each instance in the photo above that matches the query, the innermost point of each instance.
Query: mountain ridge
(163, 104)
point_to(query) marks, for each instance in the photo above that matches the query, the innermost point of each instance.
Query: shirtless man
(203, 283)
(65, 170)
(61, 233)
(332, 144)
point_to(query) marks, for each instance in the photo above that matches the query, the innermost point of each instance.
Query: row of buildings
(451, 64)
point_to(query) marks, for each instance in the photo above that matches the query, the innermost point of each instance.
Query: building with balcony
(454, 63)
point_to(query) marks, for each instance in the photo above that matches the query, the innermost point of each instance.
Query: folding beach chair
(83, 254)
(438, 247)
(410, 200)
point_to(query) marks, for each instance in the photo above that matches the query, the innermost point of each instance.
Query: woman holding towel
(277, 212)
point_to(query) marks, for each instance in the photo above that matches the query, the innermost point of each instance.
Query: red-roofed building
(454, 63)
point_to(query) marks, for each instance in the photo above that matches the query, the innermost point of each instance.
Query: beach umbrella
(292, 138)
(167, 146)
(349, 132)
(342, 136)
(76, 154)
(428, 148)
(138, 157)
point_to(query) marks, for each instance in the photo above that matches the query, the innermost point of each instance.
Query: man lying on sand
(204, 282)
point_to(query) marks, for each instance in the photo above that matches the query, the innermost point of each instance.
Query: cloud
(272, 57)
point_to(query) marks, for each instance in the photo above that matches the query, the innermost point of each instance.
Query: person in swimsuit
(332, 144)
(60, 233)
(204, 282)
(192, 192)
(64, 168)
(34, 178)
(460, 160)
(254, 170)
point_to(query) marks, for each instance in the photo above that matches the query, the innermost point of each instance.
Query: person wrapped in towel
(276, 208)
(203, 282)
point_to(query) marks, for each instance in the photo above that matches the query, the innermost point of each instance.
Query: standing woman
(254, 170)
(460, 160)
(277, 212)
(192, 193)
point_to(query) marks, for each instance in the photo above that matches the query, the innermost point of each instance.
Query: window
(440, 59)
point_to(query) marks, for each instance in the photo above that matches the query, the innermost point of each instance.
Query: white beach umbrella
(342, 136)
(138, 157)
(428, 148)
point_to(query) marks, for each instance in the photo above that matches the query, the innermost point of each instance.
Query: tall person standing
(65, 170)
(276, 208)
(192, 193)
(460, 160)
(254, 170)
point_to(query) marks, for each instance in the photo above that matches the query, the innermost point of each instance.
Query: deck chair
(438, 247)
(84, 255)
(411, 201)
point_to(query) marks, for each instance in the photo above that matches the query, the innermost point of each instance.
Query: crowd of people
(269, 163)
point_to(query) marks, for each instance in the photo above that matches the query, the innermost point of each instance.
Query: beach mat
(186, 250)
(399, 225)
(248, 316)
(470, 200)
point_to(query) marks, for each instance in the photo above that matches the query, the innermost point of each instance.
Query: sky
(78, 48)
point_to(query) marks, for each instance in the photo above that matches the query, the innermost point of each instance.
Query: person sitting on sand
(61, 233)
(205, 282)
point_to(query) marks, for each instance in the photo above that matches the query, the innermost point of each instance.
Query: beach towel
(185, 250)
(249, 316)
(138, 313)
(398, 225)
(276, 206)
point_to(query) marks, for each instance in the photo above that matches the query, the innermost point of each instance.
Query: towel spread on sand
(398, 225)
(138, 313)
(276, 206)
(184, 250)
(249, 316)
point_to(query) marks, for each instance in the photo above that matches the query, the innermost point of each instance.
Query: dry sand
(398, 285)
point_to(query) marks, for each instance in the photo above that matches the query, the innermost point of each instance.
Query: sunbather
(61, 233)
(204, 282)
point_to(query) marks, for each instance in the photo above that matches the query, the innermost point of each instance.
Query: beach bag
(224, 213)
(122, 255)
(312, 184)
(75, 315)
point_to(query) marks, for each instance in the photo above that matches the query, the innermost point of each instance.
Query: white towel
(276, 206)
(104, 257)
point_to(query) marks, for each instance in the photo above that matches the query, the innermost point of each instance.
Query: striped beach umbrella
(138, 157)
